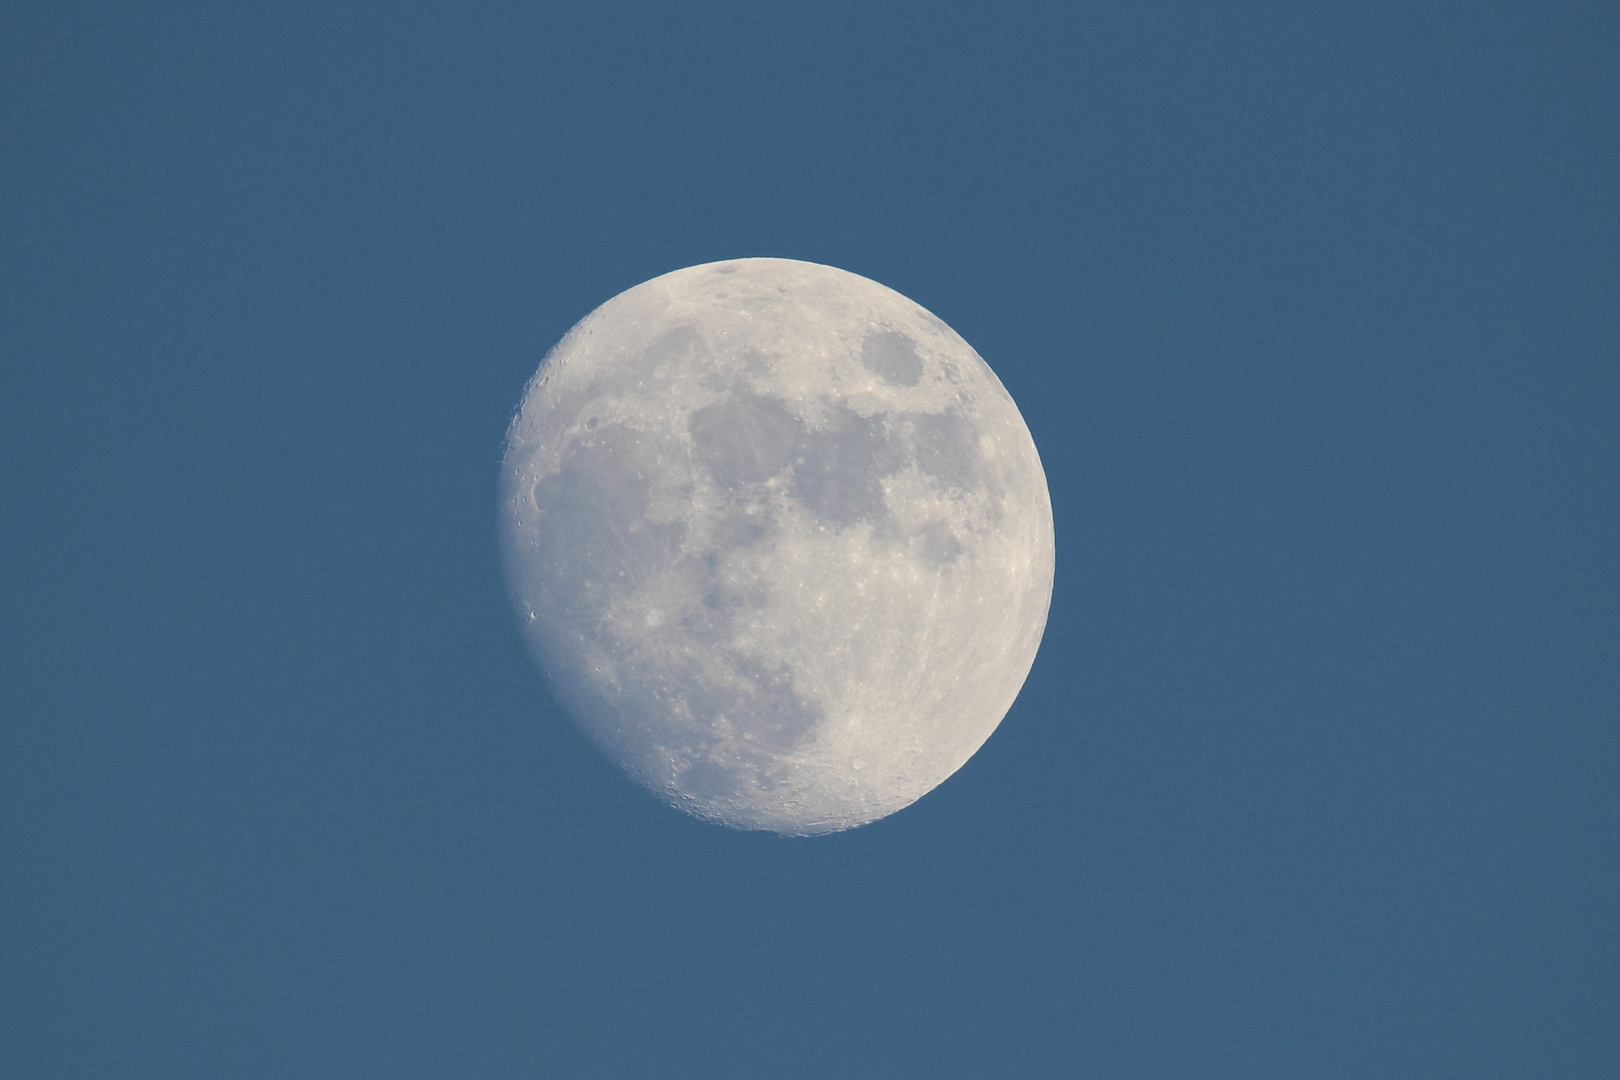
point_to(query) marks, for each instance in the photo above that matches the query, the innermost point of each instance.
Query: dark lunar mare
(600, 548)
(839, 471)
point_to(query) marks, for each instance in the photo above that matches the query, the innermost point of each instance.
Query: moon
(780, 541)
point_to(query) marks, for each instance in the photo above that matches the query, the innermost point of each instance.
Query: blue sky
(1312, 314)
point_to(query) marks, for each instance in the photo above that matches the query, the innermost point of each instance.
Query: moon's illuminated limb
(780, 539)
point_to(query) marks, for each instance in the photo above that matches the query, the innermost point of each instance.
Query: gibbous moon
(780, 541)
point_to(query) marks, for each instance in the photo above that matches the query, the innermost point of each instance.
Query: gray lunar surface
(780, 541)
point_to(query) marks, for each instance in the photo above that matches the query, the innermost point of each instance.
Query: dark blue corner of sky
(1313, 310)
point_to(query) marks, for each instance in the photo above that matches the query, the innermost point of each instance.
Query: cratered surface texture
(780, 541)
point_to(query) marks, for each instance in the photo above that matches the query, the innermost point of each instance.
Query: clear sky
(1312, 310)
